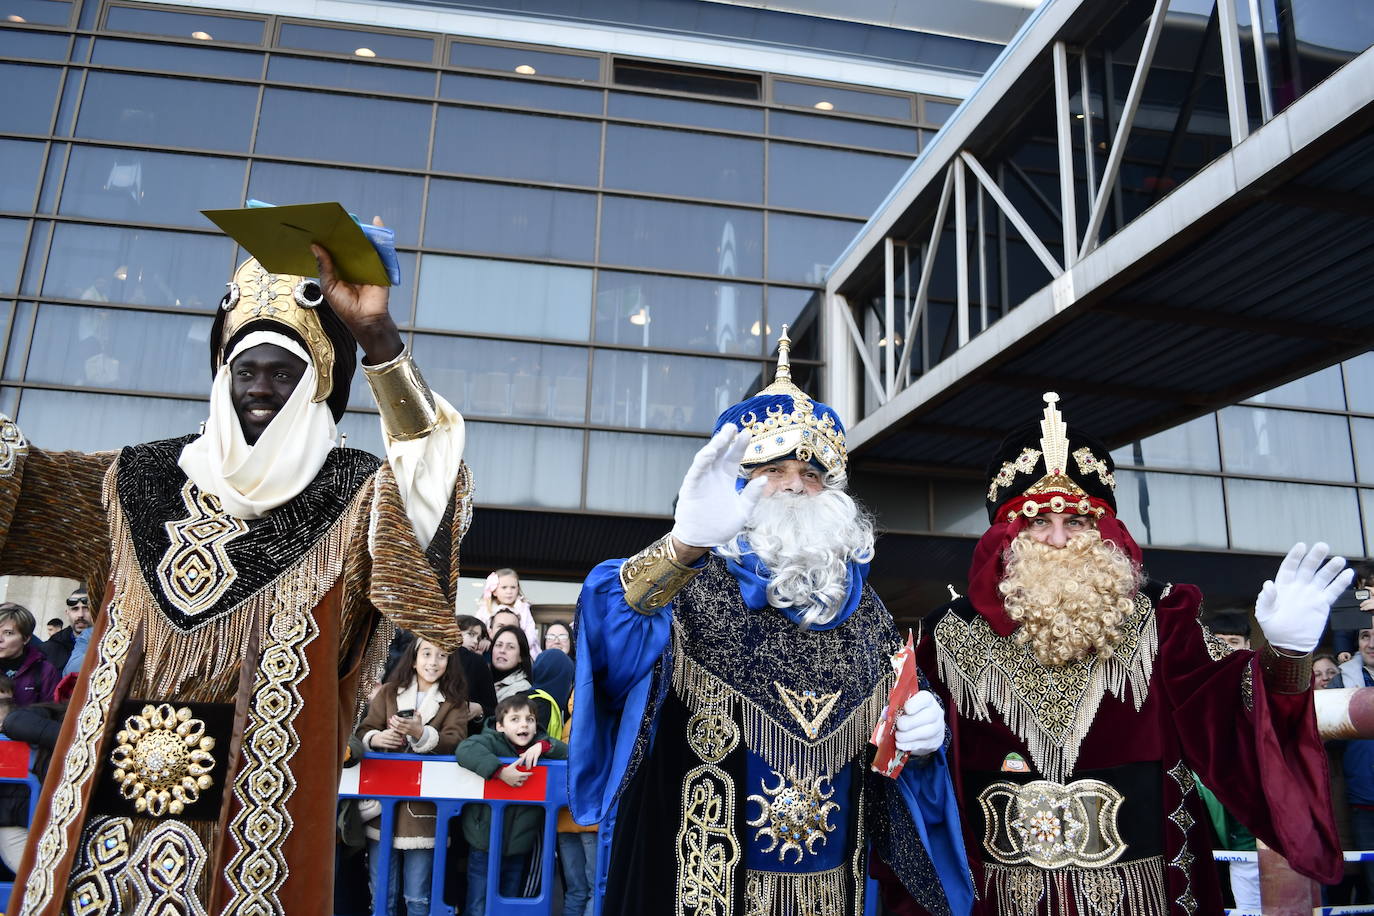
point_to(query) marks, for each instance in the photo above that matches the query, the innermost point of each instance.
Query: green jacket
(481, 753)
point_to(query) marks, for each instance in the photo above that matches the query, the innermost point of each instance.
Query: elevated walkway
(1153, 208)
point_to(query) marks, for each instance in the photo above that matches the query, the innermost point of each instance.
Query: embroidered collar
(753, 577)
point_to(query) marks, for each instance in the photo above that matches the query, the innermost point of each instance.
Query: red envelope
(889, 760)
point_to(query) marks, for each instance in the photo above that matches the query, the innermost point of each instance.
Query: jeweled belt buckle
(1050, 825)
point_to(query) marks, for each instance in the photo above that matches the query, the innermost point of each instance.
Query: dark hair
(1364, 572)
(513, 703)
(1230, 623)
(22, 617)
(526, 664)
(1321, 654)
(502, 609)
(467, 622)
(452, 686)
(56, 621)
(7, 683)
(566, 625)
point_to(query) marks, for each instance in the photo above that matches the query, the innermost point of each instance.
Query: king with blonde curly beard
(1083, 696)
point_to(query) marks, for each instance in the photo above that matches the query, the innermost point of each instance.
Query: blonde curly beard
(1069, 600)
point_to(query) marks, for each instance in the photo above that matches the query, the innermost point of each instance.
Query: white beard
(807, 541)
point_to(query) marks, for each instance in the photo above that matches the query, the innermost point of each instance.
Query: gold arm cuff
(406, 403)
(653, 576)
(1284, 673)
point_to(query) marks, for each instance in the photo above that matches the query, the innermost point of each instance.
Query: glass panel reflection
(800, 310)
(137, 186)
(110, 348)
(1320, 389)
(937, 113)
(350, 75)
(154, 109)
(639, 474)
(363, 431)
(181, 25)
(678, 313)
(39, 12)
(1362, 431)
(20, 162)
(395, 198)
(147, 55)
(1174, 510)
(353, 41)
(28, 94)
(1190, 445)
(501, 219)
(1273, 516)
(320, 125)
(1286, 443)
(673, 236)
(141, 267)
(845, 131)
(463, 88)
(802, 248)
(655, 391)
(833, 98)
(36, 45)
(12, 235)
(564, 150)
(526, 465)
(684, 111)
(98, 422)
(1359, 382)
(524, 61)
(683, 163)
(853, 182)
(497, 378)
(501, 297)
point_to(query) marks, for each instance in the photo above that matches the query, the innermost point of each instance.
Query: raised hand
(1292, 609)
(363, 307)
(710, 511)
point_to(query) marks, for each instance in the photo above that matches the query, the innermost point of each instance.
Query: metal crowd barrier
(1352, 909)
(395, 778)
(16, 766)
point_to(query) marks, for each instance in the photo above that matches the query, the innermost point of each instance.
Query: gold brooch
(162, 760)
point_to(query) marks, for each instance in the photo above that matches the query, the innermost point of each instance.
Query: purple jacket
(35, 679)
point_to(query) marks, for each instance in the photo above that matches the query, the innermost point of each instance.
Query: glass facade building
(598, 251)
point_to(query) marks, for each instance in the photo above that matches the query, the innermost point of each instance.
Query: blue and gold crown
(784, 423)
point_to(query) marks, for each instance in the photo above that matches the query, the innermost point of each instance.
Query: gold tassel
(827, 755)
(1135, 888)
(782, 894)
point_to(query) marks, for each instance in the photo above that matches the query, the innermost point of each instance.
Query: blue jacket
(1358, 757)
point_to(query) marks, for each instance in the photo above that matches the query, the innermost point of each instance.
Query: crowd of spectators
(505, 692)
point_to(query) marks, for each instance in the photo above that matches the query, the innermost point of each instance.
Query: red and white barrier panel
(14, 760)
(435, 779)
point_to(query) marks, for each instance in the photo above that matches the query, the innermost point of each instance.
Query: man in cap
(1081, 695)
(243, 576)
(730, 676)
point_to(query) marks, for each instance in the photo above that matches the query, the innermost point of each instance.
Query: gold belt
(1051, 825)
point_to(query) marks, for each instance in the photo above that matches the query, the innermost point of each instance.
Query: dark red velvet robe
(1206, 709)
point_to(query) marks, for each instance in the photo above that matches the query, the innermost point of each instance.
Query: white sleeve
(427, 468)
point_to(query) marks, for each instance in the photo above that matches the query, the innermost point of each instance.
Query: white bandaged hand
(1292, 609)
(710, 511)
(920, 726)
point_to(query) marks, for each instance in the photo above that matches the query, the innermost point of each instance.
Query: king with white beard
(730, 676)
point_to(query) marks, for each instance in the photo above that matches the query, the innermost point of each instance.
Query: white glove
(710, 511)
(920, 726)
(1292, 609)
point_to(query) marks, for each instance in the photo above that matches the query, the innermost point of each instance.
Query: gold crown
(256, 295)
(801, 431)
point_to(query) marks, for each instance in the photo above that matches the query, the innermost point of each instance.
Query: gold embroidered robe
(265, 627)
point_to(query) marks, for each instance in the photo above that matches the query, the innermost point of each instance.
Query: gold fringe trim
(707, 695)
(1128, 889)
(80, 763)
(203, 665)
(986, 673)
(822, 893)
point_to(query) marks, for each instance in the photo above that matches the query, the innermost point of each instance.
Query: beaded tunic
(197, 767)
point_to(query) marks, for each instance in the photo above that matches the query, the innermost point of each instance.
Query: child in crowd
(422, 708)
(503, 591)
(511, 667)
(474, 633)
(516, 735)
